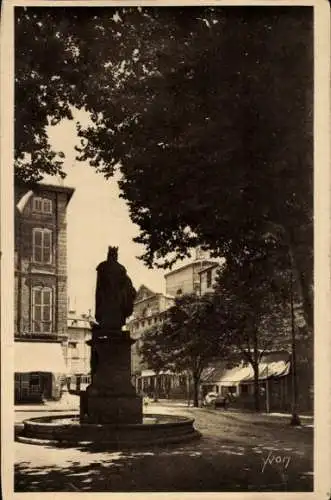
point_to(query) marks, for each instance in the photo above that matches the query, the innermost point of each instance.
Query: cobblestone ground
(237, 452)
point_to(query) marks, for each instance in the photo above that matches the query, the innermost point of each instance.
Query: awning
(39, 357)
(267, 370)
(151, 373)
(236, 375)
(212, 374)
(242, 374)
(147, 373)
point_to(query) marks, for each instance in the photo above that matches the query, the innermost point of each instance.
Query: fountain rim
(50, 421)
(113, 436)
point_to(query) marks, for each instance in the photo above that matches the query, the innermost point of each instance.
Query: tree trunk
(156, 387)
(256, 387)
(255, 365)
(188, 389)
(306, 299)
(196, 380)
(304, 285)
(303, 268)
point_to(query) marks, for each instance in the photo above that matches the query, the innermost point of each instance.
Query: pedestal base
(111, 398)
(113, 409)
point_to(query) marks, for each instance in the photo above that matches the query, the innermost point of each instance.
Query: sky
(96, 218)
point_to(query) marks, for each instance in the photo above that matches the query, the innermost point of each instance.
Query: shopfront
(40, 371)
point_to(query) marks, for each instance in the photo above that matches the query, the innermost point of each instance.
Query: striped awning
(246, 373)
(268, 370)
(272, 365)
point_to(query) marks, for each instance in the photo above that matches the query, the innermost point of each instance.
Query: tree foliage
(188, 340)
(254, 293)
(206, 111)
(153, 353)
(153, 350)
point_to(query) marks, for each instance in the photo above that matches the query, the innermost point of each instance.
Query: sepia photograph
(164, 241)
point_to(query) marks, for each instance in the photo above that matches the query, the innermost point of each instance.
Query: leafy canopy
(206, 112)
(253, 294)
(189, 338)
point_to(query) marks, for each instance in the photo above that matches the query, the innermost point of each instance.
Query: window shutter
(37, 237)
(47, 246)
(46, 297)
(47, 311)
(36, 310)
(42, 245)
(42, 309)
(37, 204)
(47, 206)
(37, 245)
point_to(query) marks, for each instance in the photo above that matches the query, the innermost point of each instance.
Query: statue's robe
(115, 295)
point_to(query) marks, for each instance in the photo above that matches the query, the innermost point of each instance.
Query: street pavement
(237, 452)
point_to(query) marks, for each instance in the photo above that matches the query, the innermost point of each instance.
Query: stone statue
(114, 295)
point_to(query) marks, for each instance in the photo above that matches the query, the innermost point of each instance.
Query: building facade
(149, 308)
(78, 351)
(275, 382)
(208, 277)
(187, 278)
(40, 318)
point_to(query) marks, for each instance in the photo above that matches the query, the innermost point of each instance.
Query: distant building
(275, 382)
(40, 326)
(186, 279)
(78, 351)
(208, 277)
(149, 308)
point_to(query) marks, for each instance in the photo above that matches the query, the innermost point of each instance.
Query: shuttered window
(47, 206)
(42, 205)
(42, 245)
(42, 310)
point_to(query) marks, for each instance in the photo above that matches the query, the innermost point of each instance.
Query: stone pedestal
(111, 398)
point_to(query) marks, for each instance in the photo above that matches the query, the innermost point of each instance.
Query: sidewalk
(68, 402)
(262, 417)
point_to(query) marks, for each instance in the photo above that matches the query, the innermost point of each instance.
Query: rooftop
(211, 266)
(37, 187)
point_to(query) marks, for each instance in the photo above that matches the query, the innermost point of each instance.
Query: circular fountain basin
(67, 430)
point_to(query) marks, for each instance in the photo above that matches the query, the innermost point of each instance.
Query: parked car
(216, 400)
(225, 401)
(221, 401)
(209, 399)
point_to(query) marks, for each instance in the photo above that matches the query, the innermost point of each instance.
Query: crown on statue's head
(112, 253)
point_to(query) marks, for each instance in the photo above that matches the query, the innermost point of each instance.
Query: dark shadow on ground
(207, 465)
(229, 457)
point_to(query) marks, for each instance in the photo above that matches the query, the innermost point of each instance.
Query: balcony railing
(40, 335)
